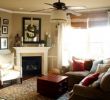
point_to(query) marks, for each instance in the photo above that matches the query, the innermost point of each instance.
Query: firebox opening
(31, 65)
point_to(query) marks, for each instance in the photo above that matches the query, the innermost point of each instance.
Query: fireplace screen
(31, 65)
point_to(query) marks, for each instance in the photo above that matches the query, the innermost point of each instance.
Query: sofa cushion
(78, 65)
(7, 61)
(13, 74)
(3, 72)
(7, 66)
(77, 73)
(95, 64)
(105, 81)
(89, 79)
(76, 76)
(96, 84)
(88, 92)
(7, 58)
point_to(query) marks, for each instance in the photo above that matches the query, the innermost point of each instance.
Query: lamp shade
(58, 16)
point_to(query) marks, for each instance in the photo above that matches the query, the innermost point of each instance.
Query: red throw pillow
(78, 65)
(89, 79)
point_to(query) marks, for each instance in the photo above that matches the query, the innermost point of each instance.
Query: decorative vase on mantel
(47, 40)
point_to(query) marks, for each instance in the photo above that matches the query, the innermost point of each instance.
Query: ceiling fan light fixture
(58, 16)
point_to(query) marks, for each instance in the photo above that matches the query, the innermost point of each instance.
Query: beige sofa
(74, 77)
(8, 69)
(98, 90)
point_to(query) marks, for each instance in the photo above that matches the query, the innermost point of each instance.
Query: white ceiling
(32, 5)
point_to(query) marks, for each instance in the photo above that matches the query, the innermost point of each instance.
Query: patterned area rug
(25, 91)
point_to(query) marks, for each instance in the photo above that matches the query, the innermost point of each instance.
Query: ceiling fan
(62, 6)
(58, 5)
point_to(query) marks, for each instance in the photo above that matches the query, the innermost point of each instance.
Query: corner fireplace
(32, 51)
(31, 65)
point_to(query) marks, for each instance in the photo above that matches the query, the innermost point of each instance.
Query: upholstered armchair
(8, 70)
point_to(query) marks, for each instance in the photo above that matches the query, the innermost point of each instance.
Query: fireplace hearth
(31, 65)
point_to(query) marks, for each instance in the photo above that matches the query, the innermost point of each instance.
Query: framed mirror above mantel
(31, 30)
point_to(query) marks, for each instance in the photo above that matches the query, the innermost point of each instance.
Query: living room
(87, 34)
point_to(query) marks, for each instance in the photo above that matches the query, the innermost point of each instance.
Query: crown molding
(22, 12)
(5, 10)
(26, 12)
(95, 9)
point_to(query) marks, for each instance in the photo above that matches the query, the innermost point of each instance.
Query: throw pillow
(106, 61)
(105, 81)
(95, 64)
(76, 58)
(78, 65)
(101, 68)
(83, 64)
(88, 64)
(89, 79)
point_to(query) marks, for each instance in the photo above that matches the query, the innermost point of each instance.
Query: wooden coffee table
(52, 85)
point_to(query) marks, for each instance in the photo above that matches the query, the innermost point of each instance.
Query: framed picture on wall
(4, 29)
(3, 43)
(0, 32)
(5, 21)
(0, 26)
(31, 30)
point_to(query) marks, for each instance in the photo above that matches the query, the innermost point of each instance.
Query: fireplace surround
(33, 51)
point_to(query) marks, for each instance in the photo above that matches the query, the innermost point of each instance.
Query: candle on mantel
(46, 33)
(22, 41)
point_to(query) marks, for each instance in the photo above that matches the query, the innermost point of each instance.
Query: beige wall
(15, 27)
(46, 26)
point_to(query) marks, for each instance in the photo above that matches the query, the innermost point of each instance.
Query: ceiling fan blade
(73, 12)
(48, 4)
(42, 10)
(76, 7)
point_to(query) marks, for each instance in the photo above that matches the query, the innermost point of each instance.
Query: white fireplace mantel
(35, 51)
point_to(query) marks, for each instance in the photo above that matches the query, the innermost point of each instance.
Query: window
(92, 42)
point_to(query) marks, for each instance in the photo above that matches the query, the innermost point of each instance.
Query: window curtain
(59, 44)
(62, 30)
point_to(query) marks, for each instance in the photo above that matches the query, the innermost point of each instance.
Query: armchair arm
(88, 92)
(18, 68)
(0, 73)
